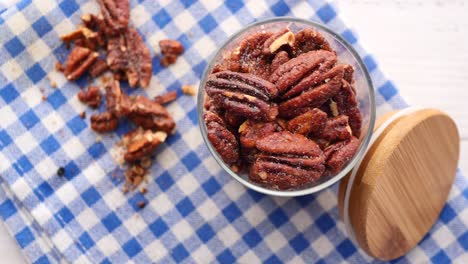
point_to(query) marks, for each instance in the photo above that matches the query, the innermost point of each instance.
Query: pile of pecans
(106, 42)
(282, 108)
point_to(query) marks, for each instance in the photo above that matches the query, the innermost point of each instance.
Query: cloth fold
(195, 211)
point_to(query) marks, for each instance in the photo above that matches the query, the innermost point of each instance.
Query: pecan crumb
(189, 90)
(44, 98)
(141, 204)
(166, 98)
(83, 115)
(171, 49)
(92, 96)
(59, 66)
(143, 190)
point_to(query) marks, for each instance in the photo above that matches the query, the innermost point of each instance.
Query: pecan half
(117, 102)
(79, 60)
(223, 141)
(104, 122)
(141, 143)
(297, 68)
(336, 128)
(245, 94)
(309, 122)
(151, 115)
(287, 161)
(347, 104)
(338, 154)
(91, 97)
(248, 57)
(307, 40)
(277, 40)
(310, 99)
(98, 67)
(250, 132)
(116, 14)
(128, 53)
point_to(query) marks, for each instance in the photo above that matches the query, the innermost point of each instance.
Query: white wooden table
(422, 45)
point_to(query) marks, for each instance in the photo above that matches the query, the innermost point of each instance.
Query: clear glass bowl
(346, 54)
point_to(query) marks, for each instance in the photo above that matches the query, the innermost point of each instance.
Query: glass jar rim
(300, 192)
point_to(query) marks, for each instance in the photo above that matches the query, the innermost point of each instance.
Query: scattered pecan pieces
(151, 115)
(128, 53)
(221, 138)
(140, 143)
(92, 96)
(79, 60)
(104, 122)
(245, 94)
(287, 161)
(98, 67)
(117, 102)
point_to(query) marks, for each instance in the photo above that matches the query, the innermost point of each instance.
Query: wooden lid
(402, 183)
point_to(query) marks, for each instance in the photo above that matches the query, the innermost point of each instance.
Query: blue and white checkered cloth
(195, 211)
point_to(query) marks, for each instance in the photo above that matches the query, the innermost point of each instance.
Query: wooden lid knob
(402, 183)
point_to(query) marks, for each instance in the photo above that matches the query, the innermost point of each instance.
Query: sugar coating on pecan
(92, 96)
(288, 106)
(98, 67)
(128, 53)
(245, 94)
(287, 160)
(224, 142)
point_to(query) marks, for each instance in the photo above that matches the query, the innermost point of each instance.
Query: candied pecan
(347, 104)
(251, 131)
(297, 68)
(171, 50)
(117, 102)
(222, 140)
(310, 99)
(309, 122)
(248, 57)
(128, 53)
(336, 128)
(308, 40)
(338, 154)
(79, 60)
(141, 143)
(151, 115)
(280, 58)
(165, 98)
(98, 67)
(104, 122)
(277, 40)
(116, 14)
(287, 161)
(171, 47)
(245, 94)
(91, 97)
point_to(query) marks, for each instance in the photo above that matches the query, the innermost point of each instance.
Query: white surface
(421, 45)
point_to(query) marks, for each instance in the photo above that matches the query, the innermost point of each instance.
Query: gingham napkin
(195, 212)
